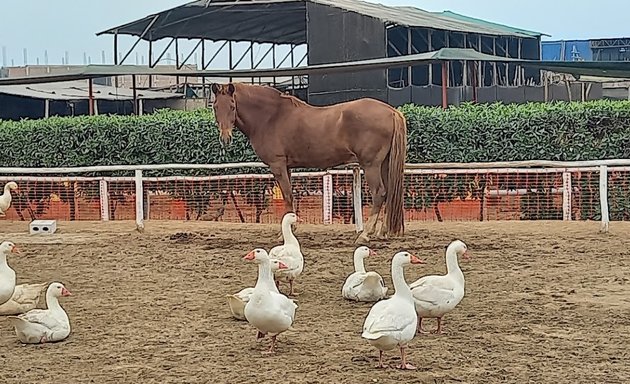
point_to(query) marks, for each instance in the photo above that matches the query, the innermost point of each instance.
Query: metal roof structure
(79, 90)
(491, 24)
(619, 69)
(284, 21)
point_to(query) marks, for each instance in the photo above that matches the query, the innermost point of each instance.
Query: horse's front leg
(282, 174)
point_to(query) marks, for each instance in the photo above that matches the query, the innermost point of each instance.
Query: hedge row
(550, 131)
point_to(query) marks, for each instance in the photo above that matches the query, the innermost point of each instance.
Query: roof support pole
(47, 108)
(409, 52)
(429, 49)
(150, 58)
(520, 69)
(444, 84)
(495, 80)
(135, 94)
(116, 57)
(273, 59)
(480, 73)
(230, 59)
(507, 65)
(251, 57)
(465, 66)
(155, 18)
(293, 66)
(474, 80)
(115, 48)
(90, 97)
(203, 61)
(177, 59)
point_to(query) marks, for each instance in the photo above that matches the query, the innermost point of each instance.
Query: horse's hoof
(362, 240)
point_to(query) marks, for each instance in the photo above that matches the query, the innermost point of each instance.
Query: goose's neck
(3, 260)
(452, 265)
(398, 278)
(265, 278)
(52, 302)
(287, 234)
(7, 191)
(359, 266)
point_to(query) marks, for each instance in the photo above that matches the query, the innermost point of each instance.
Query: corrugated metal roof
(474, 20)
(416, 17)
(284, 21)
(78, 90)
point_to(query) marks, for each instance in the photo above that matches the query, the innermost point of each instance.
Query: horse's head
(224, 107)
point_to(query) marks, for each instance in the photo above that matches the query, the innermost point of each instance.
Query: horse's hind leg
(377, 189)
(382, 233)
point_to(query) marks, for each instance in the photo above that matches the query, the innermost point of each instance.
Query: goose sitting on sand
(44, 325)
(392, 322)
(437, 295)
(362, 285)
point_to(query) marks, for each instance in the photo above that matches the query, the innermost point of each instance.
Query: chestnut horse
(286, 133)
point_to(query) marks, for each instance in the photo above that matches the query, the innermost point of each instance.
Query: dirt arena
(546, 302)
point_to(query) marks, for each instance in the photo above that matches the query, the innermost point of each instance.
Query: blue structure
(567, 50)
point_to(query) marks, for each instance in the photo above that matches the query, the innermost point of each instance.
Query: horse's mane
(296, 101)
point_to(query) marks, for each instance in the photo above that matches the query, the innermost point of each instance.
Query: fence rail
(586, 190)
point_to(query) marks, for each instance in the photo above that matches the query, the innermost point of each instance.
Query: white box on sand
(46, 227)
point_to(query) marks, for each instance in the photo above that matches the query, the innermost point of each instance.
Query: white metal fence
(427, 186)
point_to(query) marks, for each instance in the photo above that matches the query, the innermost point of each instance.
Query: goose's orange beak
(65, 292)
(416, 260)
(250, 256)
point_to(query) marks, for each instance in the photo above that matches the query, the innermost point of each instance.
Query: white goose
(268, 311)
(392, 322)
(7, 274)
(362, 285)
(437, 295)
(289, 253)
(44, 325)
(238, 300)
(5, 198)
(25, 297)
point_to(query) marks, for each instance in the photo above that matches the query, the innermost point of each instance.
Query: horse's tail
(395, 210)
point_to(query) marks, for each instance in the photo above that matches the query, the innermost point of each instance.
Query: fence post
(327, 186)
(103, 194)
(139, 202)
(603, 197)
(566, 196)
(357, 199)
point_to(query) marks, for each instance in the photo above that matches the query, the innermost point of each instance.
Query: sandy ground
(546, 302)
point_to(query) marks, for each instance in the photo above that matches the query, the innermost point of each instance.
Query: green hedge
(495, 132)
(468, 133)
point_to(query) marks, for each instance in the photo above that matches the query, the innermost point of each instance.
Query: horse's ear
(230, 89)
(215, 88)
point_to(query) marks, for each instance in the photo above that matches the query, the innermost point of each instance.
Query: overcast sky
(70, 25)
